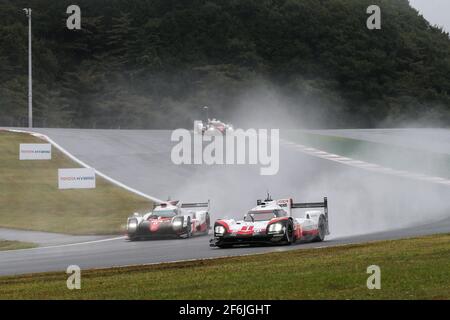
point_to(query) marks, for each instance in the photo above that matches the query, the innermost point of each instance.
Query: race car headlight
(219, 230)
(275, 228)
(132, 225)
(177, 223)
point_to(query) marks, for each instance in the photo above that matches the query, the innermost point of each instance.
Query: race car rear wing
(196, 205)
(304, 205)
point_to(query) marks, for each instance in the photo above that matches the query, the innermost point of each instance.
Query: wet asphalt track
(364, 206)
(120, 252)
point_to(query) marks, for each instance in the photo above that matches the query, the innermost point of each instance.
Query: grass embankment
(410, 269)
(30, 198)
(400, 158)
(14, 245)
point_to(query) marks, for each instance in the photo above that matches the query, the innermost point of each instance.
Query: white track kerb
(83, 164)
(366, 165)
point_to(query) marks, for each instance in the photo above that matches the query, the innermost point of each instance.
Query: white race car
(170, 218)
(274, 222)
(212, 127)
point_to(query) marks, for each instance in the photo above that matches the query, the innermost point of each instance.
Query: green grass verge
(410, 269)
(30, 198)
(14, 245)
(395, 157)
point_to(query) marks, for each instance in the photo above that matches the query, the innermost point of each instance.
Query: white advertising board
(35, 151)
(80, 178)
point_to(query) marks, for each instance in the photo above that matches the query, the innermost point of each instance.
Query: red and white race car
(170, 218)
(212, 127)
(274, 222)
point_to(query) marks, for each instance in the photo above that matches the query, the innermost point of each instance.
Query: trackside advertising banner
(82, 178)
(35, 151)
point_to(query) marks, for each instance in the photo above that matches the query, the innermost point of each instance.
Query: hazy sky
(437, 12)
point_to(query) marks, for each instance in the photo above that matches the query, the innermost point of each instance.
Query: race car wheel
(208, 223)
(189, 228)
(289, 233)
(322, 230)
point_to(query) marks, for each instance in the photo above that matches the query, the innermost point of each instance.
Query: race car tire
(322, 230)
(188, 228)
(208, 223)
(289, 233)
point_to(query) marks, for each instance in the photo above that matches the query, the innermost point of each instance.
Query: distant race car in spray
(170, 218)
(273, 222)
(212, 127)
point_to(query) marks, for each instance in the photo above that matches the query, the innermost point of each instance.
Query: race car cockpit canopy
(167, 209)
(264, 215)
(163, 213)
